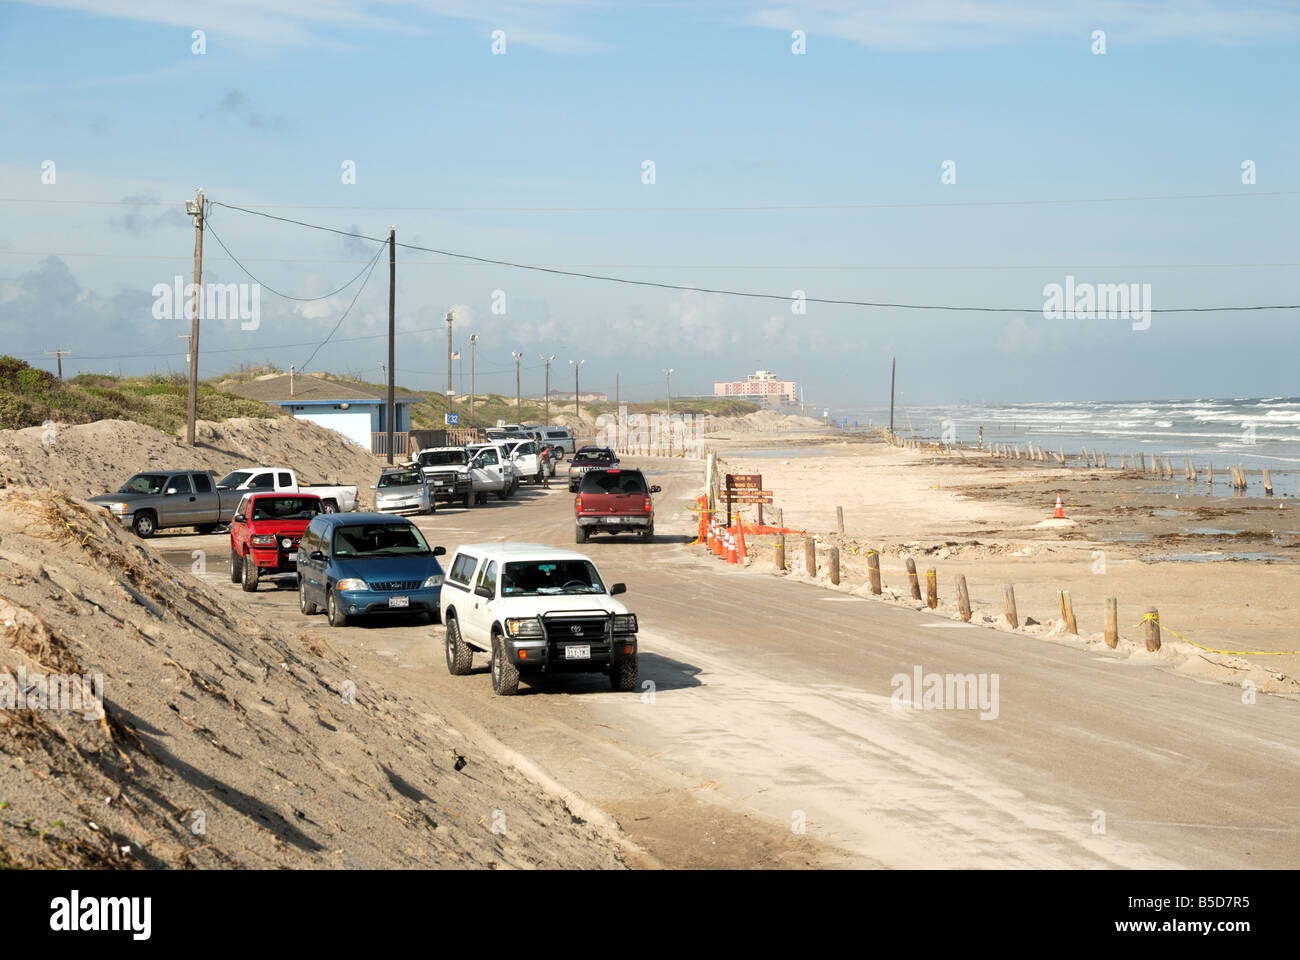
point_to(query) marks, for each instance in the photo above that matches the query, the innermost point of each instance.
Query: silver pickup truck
(158, 499)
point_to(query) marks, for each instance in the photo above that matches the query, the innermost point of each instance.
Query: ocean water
(1254, 432)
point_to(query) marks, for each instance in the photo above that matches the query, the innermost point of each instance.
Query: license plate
(611, 519)
(399, 601)
(578, 653)
(291, 557)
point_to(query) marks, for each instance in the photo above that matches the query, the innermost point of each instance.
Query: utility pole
(518, 356)
(58, 354)
(577, 404)
(547, 361)
(392, 315)
(195, 209)
(473, 339)
(449, 393)
(668, 377)
(892, 364)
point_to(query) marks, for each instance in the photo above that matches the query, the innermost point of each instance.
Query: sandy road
(771, 709)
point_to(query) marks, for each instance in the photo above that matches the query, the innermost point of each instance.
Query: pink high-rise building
(761, 385)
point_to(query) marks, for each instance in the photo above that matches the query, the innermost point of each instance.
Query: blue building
(357, 411)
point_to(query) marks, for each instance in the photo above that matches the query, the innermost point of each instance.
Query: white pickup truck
(334, 499)
(535, 610)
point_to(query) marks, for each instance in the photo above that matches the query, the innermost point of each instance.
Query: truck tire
(623, 675)
(250, 574)
(306, 606)
(206, 528)
(503, 493)
(505, 675)
(469, 500)
(579, 534)
(145, 524)
(236, 566)
(329, 506)
(648, 533)
(460, 657)
(337, 617)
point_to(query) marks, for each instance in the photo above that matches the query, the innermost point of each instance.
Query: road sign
(743, 481)
(452, 419)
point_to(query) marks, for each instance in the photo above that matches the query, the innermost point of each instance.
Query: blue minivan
(356, 564)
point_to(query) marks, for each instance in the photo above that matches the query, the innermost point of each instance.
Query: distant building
(358, 412)
(761, 386)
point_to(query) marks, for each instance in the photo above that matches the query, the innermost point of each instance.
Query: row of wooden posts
(1151, 621)
(1161, 467)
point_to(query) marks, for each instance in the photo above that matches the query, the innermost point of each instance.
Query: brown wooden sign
(744, 481)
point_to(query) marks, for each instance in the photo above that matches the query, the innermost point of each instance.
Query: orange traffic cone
(731, 547)
(1060, 510)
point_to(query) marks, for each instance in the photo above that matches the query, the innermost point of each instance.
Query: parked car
(590, 458)
(403, 490)
(447, 469)
(491, 471)
(614, 501)
(357, 565)
(527, 459)
(535, 610)
(264, 535)
(158, 499)
(334, 499)
(560, 437)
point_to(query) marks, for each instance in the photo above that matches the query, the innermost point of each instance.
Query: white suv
(535, 610)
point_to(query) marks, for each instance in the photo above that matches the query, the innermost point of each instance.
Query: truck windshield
(442, 458)
(379, 540)
(285, 508)
(590, 456)
(408, 478)
(233, 481)
(544, 577)
(145, 483)
(614, 481)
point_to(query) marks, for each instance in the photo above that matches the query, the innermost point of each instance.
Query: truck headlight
(352, 584)
(262, 540)
(119, 508)
(625, 623)
(434, 581)
(524, 627)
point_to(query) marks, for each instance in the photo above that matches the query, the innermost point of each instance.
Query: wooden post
(873, 570)
(1268, 482)
(963, 598)
(1209, 474)
(1103, 460)
(1112, 622)
(911, 576)
(1142, 461)
(1152, 622)
(931, 588)
(1061, 456)
(810, 556)
(1009, 599)
(835, 565)
(839, 519)
(778, 552)
(1067, 612)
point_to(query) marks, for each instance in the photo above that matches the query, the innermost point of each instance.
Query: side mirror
(316, 555)
(240, 518)
(484, 592)
(439, 551)
(617, 588)
(656, 488)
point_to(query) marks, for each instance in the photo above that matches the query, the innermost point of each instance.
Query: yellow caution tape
(1236, 653)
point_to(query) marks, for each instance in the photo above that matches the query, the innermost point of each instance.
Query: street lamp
(577, 405)
(668, 378)
(518, 356)
(547, 361)
(449, 390)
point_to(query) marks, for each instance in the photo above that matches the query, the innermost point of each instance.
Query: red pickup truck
(614, 501)
(265, 532)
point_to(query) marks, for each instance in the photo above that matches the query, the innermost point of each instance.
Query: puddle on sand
(1214, 532)
(1213, 557)
(1169, 513)
(1126, 538)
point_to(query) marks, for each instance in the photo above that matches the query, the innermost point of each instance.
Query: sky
(521, 133)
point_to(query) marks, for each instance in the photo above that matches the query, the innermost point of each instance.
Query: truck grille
(444, 477)
(589, 627)
(391, 585)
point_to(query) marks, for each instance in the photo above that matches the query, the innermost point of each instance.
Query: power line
(724, 292)
(717, 208)
(373, 261)
(272, 289)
